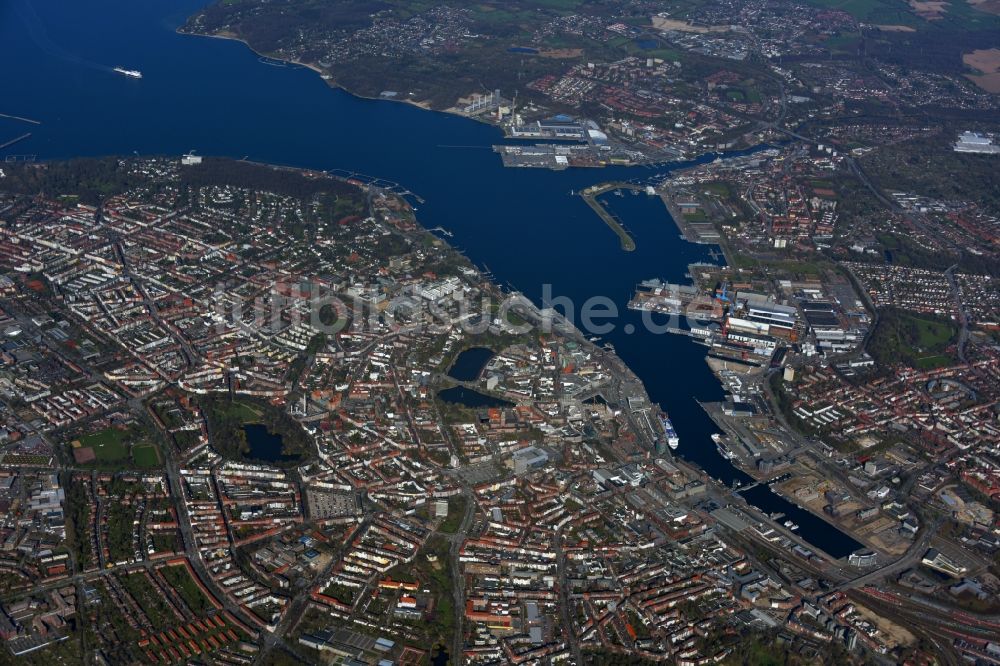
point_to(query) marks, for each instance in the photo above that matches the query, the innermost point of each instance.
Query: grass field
(109, 444)
(146, 455)
(718, 188)
(932, 333)
(240, 411)
(664, 54)
(696, 216)
(114, 447)
(920, 341)
(933, 361)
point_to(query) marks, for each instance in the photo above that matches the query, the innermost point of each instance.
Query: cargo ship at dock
(675, 299)
(720, 444)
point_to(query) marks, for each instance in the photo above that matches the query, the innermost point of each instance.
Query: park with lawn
(920, 341)
(253, 430)
(115, 447)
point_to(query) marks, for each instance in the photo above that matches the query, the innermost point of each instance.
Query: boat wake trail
(35, 29)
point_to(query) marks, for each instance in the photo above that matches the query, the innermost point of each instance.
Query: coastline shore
(324, 74)
(691, 468)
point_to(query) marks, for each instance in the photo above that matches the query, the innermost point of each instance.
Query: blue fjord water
(217, 97)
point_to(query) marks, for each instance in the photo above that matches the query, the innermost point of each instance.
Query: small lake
(469, 398)
(441, 657)
(265, 445)
(470, 363)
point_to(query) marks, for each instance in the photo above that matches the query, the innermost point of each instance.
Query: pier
(22, 119)
(550, 156)
(590, 196)
(765, 482)
(16, 139)
(378, 183)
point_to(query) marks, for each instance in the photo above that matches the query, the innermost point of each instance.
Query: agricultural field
(900, 15)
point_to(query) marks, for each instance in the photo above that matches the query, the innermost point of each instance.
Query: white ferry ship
(131, 73)
(673, 441)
